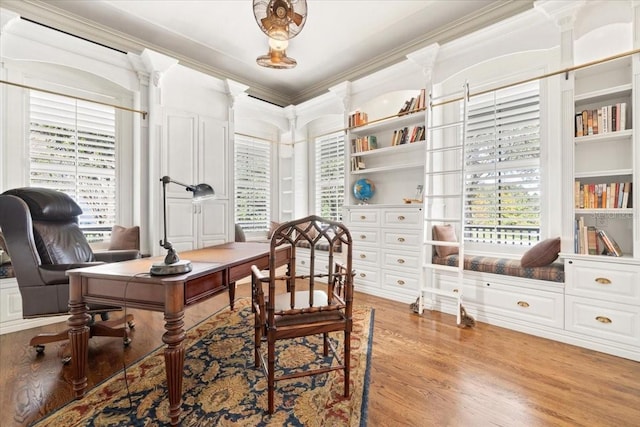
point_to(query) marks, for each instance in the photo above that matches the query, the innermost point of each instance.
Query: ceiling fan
(280, 20)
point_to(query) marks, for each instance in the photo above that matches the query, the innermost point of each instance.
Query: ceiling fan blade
(297, 18)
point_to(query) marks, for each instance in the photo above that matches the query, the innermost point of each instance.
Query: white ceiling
(341, 40)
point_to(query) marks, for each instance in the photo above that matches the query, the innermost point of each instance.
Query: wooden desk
(215, 269)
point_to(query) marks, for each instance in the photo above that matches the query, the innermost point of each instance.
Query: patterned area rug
(221, 386)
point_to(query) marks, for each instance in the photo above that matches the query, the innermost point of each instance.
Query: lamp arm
(172, 256)
(166, 180)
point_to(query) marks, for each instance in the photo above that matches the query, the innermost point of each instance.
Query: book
(592, 242)
(611, 246)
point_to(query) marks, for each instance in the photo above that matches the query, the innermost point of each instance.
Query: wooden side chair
(324, 306)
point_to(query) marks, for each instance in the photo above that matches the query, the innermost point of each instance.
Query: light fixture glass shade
(280, 19)
(277, 59)
(276, 44)
(172, 264)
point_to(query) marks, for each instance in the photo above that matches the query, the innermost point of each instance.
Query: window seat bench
(553, 272)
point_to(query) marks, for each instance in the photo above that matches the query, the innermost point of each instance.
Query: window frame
(338, 181)
(256, 230)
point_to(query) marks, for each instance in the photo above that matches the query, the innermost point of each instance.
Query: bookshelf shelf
(387, 123)
(414, 146)
(603, 137)
(604, 173)
(389, 168)
(605, 211)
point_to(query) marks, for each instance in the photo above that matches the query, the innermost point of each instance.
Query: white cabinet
(603, 301)
(196, 150)
(386, 249)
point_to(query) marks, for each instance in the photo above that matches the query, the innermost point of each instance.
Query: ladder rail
(436, 210)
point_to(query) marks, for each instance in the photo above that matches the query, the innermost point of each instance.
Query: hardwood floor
(425, 372)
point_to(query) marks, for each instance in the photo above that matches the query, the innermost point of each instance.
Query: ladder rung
(440, 149)
(441, 267)
(445, 126)
(442, 243)
(427, 219)
(442, 196)
(444, 172)
(442, 292)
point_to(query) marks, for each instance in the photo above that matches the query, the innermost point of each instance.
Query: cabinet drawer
(366, 277)
(404, 260)
(544, 308)
(362, 236)
(603, 319)
(611, 282)
(365, 255)
(402, 218)
(401, 239)
(398, 281)
(363, 217)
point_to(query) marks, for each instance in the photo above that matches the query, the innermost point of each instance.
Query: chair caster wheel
(131, 324)
(127, 341)
(66, 360)
(39, 349)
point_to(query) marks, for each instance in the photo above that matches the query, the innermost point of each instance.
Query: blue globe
(363, 189)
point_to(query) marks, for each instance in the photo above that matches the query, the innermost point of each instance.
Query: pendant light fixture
(280, 20)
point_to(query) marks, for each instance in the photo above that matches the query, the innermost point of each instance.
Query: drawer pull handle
(400, 261)
(362, 236)
(603, 319)
(523, 304)
(400, 282)
(363, 217)
(603, 280)
(455, 291)
(303, 262)
(363, 275)
(363, 256)
(400, 239)
(400, 218)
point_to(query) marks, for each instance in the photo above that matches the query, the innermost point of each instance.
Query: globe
(363, 189)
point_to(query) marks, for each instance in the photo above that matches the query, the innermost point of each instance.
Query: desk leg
(232, 294)
(78, 336)
(174, 352)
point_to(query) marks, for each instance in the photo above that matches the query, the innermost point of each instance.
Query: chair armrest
(55, 274)
(117, 255)
(258, 274)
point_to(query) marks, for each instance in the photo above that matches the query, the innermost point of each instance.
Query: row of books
(357, 163)
(609, 118)
(615, 195)
(592, 241)
(416, 103)
(364, 143)
(358, 118)
(407, 136)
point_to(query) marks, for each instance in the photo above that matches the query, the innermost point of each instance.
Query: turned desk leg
(78, 336)
(174, 352)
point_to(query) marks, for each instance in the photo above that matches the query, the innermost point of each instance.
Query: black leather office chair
(42, 235)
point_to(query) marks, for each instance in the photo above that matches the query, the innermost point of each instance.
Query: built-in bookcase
(604, 152)
(388, 148)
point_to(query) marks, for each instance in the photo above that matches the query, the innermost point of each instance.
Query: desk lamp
(172, 264)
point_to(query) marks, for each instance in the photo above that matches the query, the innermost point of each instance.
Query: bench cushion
(553, 272)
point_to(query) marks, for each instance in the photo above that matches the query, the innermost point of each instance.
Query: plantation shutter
(503, 167)
(73, 150)
(252, 183)
(329, 168)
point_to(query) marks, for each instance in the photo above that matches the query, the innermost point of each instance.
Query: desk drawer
(204, 287)
(363, 255)
(409, 260)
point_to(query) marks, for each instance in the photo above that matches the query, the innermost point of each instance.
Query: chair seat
(302, 302)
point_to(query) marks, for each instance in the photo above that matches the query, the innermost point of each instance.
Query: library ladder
(444, 194)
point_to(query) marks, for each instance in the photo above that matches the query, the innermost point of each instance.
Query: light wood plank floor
(425, 372)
